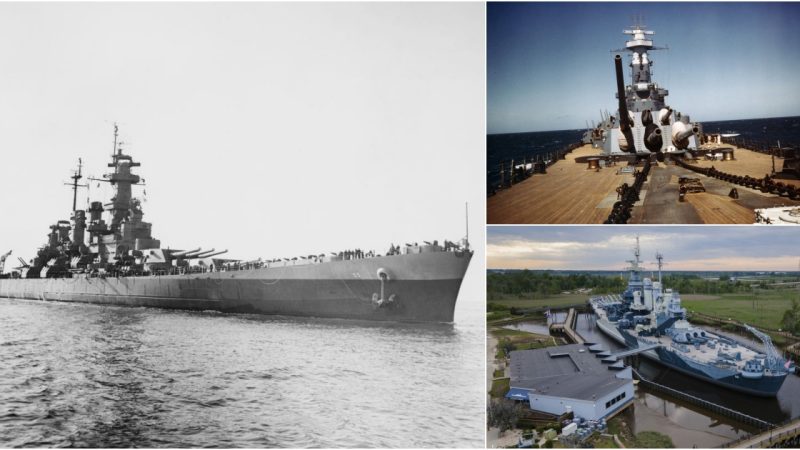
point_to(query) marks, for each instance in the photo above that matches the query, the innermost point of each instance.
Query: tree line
(535, 284)
(542, 284)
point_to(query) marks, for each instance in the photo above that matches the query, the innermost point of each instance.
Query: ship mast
(660, 259)
(466, 205)
(75, 177)
(635, 262)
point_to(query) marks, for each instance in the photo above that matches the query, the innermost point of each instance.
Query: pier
(719, 409)
(568, 327)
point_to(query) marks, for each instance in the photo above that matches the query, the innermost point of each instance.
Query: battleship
(647, 163)
(649, 317)
(107, 254)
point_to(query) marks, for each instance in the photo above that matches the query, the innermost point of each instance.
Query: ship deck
(570, 193)
(706, 355)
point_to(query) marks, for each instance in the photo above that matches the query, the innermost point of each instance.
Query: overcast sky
(549, 65)
(269, 129)
(706, 247)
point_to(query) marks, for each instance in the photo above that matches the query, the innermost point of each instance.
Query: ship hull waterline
(422, 287)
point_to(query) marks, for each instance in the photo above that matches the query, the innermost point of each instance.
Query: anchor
(381, 301)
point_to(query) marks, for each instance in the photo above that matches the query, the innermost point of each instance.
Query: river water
(688, 425)
(103, 376)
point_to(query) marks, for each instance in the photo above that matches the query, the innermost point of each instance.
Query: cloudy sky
(549, 65)
(724, 248)
(269, 129)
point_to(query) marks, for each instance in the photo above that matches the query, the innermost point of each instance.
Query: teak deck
(571, 193)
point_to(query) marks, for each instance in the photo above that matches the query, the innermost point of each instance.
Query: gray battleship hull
(423, 287)
(764, 387)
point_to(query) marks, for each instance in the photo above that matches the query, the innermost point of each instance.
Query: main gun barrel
(681, 133)
(202, 254)
(221, 252)
(186, 252)
(624, 119)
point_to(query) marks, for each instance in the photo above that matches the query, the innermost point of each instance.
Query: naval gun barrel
(186, 252)
(624, 118)
(652, 132)
(653, 140)
(681, 133)
(202, 254)
(665, 114)
(221, 252)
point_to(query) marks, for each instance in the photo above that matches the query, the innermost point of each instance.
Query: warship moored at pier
(108, 255)
(648, 315)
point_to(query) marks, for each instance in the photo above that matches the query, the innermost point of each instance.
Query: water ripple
(91, 376)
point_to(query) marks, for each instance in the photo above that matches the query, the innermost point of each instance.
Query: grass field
(765, 308)
(556, 301)
(522, 340)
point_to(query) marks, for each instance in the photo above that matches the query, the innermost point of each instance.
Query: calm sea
(103, 376)
(516, 146)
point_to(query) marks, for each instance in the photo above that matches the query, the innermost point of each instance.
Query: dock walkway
(568, 327)
(784, 436)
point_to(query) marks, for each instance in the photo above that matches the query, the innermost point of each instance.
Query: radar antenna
(636, 262)
(774, 359)
(116, 133)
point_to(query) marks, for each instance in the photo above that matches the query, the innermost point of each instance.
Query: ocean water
(104, 376)
(516, 146)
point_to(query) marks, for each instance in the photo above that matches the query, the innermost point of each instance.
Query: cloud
(706, 247)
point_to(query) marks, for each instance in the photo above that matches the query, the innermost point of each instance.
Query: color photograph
(644, 337)
(644, 113)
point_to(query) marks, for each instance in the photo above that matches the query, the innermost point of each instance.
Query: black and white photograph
(242, 225)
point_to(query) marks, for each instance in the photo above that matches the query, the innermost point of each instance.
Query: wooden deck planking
(568, 193)
(718, 209)
(749, 163)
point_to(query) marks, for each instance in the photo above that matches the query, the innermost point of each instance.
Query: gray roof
(567, 371)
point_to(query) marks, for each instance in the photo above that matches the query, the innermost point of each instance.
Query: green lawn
(598, 441)
(653, 439)
(556, 301)
(764, 309)
(522, 340)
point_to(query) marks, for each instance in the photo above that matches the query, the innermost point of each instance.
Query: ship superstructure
(648, 314)
(644, 124)
(110, 256)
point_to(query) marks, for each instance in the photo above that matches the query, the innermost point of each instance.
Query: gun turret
(681, 133)
(626, 145)
(185, 252)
